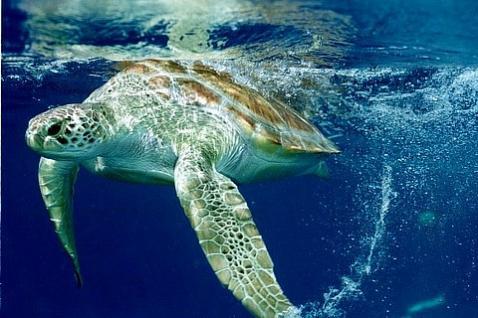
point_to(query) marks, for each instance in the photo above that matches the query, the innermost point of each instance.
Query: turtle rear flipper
(56, 179)
(228, 236)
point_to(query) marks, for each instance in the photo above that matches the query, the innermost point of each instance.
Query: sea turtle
(166, 122)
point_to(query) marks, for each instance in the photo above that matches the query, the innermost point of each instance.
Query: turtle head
(69, 132)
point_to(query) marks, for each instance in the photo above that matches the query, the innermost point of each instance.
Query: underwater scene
(390, 230)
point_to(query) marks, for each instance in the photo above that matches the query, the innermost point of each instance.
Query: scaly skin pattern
(164, 125)
(227, 234)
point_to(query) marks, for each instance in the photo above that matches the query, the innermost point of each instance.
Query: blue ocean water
(391, 233)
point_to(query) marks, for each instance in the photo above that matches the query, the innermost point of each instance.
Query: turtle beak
(33, 135)
(34, 141)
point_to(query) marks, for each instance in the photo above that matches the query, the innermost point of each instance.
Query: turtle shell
(270, 124)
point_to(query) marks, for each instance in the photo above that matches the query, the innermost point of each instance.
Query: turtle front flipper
(228, 236)
(56, 179)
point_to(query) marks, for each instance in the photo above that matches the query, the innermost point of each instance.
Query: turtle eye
(54, 129)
